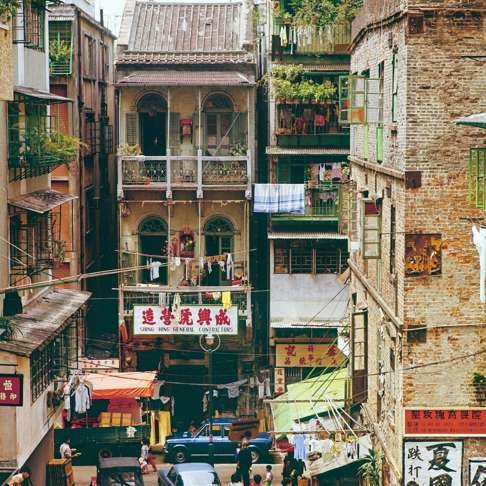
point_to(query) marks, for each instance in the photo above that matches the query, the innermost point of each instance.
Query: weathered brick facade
(438, 80)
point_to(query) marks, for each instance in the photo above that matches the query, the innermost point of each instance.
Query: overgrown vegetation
(59, 52)
(7, 329)
(370, 470)
(8, 8)
(478, 378)
(289, 83)
(319, 13)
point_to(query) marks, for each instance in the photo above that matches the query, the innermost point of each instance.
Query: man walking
(244, 462)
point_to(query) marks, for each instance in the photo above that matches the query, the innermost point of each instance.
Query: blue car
(182, 447)
(195, 474)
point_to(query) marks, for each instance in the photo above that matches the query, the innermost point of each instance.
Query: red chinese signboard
(11, 390)
(279, 381)
(446, 422)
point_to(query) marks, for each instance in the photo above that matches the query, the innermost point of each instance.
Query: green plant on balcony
(63, 147)
(59, 54)
(238, 149)
(129, 150)
(321, 13)
(8, 8)
(7, 329)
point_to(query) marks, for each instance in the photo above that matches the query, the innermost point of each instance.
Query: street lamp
(209, 344)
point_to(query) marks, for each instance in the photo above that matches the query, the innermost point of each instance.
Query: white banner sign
(477, 471)
(434, 463)
(189, 319)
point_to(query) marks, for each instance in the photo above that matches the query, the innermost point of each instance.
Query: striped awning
(306, 236)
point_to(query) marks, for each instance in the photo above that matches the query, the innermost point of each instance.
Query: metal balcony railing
(184, 172)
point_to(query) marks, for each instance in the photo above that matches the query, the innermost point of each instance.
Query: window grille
(29, 129)
(55, 359)
(89, 57)
(91, 133)
(60, 48)
(30, 24)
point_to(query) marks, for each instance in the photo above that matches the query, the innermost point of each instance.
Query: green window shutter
(379, 144)
(283, 172)
(131, 128)
(174, 133)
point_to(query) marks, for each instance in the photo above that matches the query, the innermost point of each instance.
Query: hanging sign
(461, 422)
(309, 355)
(434, 463)
(11, 390)
(190, 319)
(279, 381)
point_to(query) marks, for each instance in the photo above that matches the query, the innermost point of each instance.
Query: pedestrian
(235, 479)
(257, 480)
(288, 468)
(244, 462)
(18, 479)
(192, 429)
(268, 476)
(66, 451)
(146, 455)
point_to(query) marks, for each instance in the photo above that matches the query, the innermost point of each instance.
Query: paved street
(83, 474)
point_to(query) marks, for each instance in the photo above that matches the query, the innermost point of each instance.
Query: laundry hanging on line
(279, 198)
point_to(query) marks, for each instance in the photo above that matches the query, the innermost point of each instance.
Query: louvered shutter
(131, 128)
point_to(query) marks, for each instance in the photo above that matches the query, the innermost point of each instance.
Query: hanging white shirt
(82, 399)
(479, 238)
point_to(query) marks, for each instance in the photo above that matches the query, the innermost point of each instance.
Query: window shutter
(371, 229)
(174, 133)
(131, 128)
(348, 219)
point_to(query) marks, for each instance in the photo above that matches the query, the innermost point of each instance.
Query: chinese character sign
(279, 381)
(432, 463)
(11, 390)
(191, 319)
(447, 422)
(477, 471)
(309, 355)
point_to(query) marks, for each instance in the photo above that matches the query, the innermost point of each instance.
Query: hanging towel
(291, 198)
(229, 267)
(154, 270)
(479, 238)
(226, 300)
(283, 36)
(266, 198)
(268, 392)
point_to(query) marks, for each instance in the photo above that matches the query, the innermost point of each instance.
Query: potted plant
(63, 147)
(7, 329)
(370, 470)
(59, 56)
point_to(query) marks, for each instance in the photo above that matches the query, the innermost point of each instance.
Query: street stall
(104, 415)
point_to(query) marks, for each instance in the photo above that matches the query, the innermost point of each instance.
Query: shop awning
(41, 201)
(296, 235)
(307, 398)
(43, 319)
(274, 150)
(476, 120)
(41, 95)
(128, 384)
(187, 78)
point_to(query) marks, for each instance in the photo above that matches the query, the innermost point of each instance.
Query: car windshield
(198, 478)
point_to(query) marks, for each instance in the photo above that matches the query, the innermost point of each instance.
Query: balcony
(196, 173)
(322, 203)
(477, 177)
(323, 140)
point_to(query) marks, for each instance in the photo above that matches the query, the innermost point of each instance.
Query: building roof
(41, 201)
(43, 319)
(186, 78)
(476, 120)
(186, 33)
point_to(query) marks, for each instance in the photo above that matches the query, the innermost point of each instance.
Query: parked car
(119, 471)
(182, 447)
(194, 474)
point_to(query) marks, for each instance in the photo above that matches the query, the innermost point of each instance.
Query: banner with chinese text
(280, 381)
(464, 422)
(309, 355)
(190, 319)
(434, 463)
(11, 390)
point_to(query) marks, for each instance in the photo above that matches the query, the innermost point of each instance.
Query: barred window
(34, 23)
(281, 257)
(301, 257)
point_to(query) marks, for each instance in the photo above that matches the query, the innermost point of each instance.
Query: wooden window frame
(365, 226)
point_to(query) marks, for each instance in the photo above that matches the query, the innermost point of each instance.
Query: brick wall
(437, 83)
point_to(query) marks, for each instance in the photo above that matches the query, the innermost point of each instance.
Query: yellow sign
(279, 381)
(309, 355)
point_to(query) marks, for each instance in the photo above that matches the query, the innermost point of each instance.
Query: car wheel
(180, 456)
(255, 455)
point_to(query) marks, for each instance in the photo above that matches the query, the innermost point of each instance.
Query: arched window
(153, 236)
(219, 118)
(219, 239)
(152, 113)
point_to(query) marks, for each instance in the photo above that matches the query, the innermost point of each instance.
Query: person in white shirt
(66, 451)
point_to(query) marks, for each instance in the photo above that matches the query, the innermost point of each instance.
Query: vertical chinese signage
(279, 381)
(477, 471)
(11, 390)
(309, 355)
(432, 463)
(205, 319)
